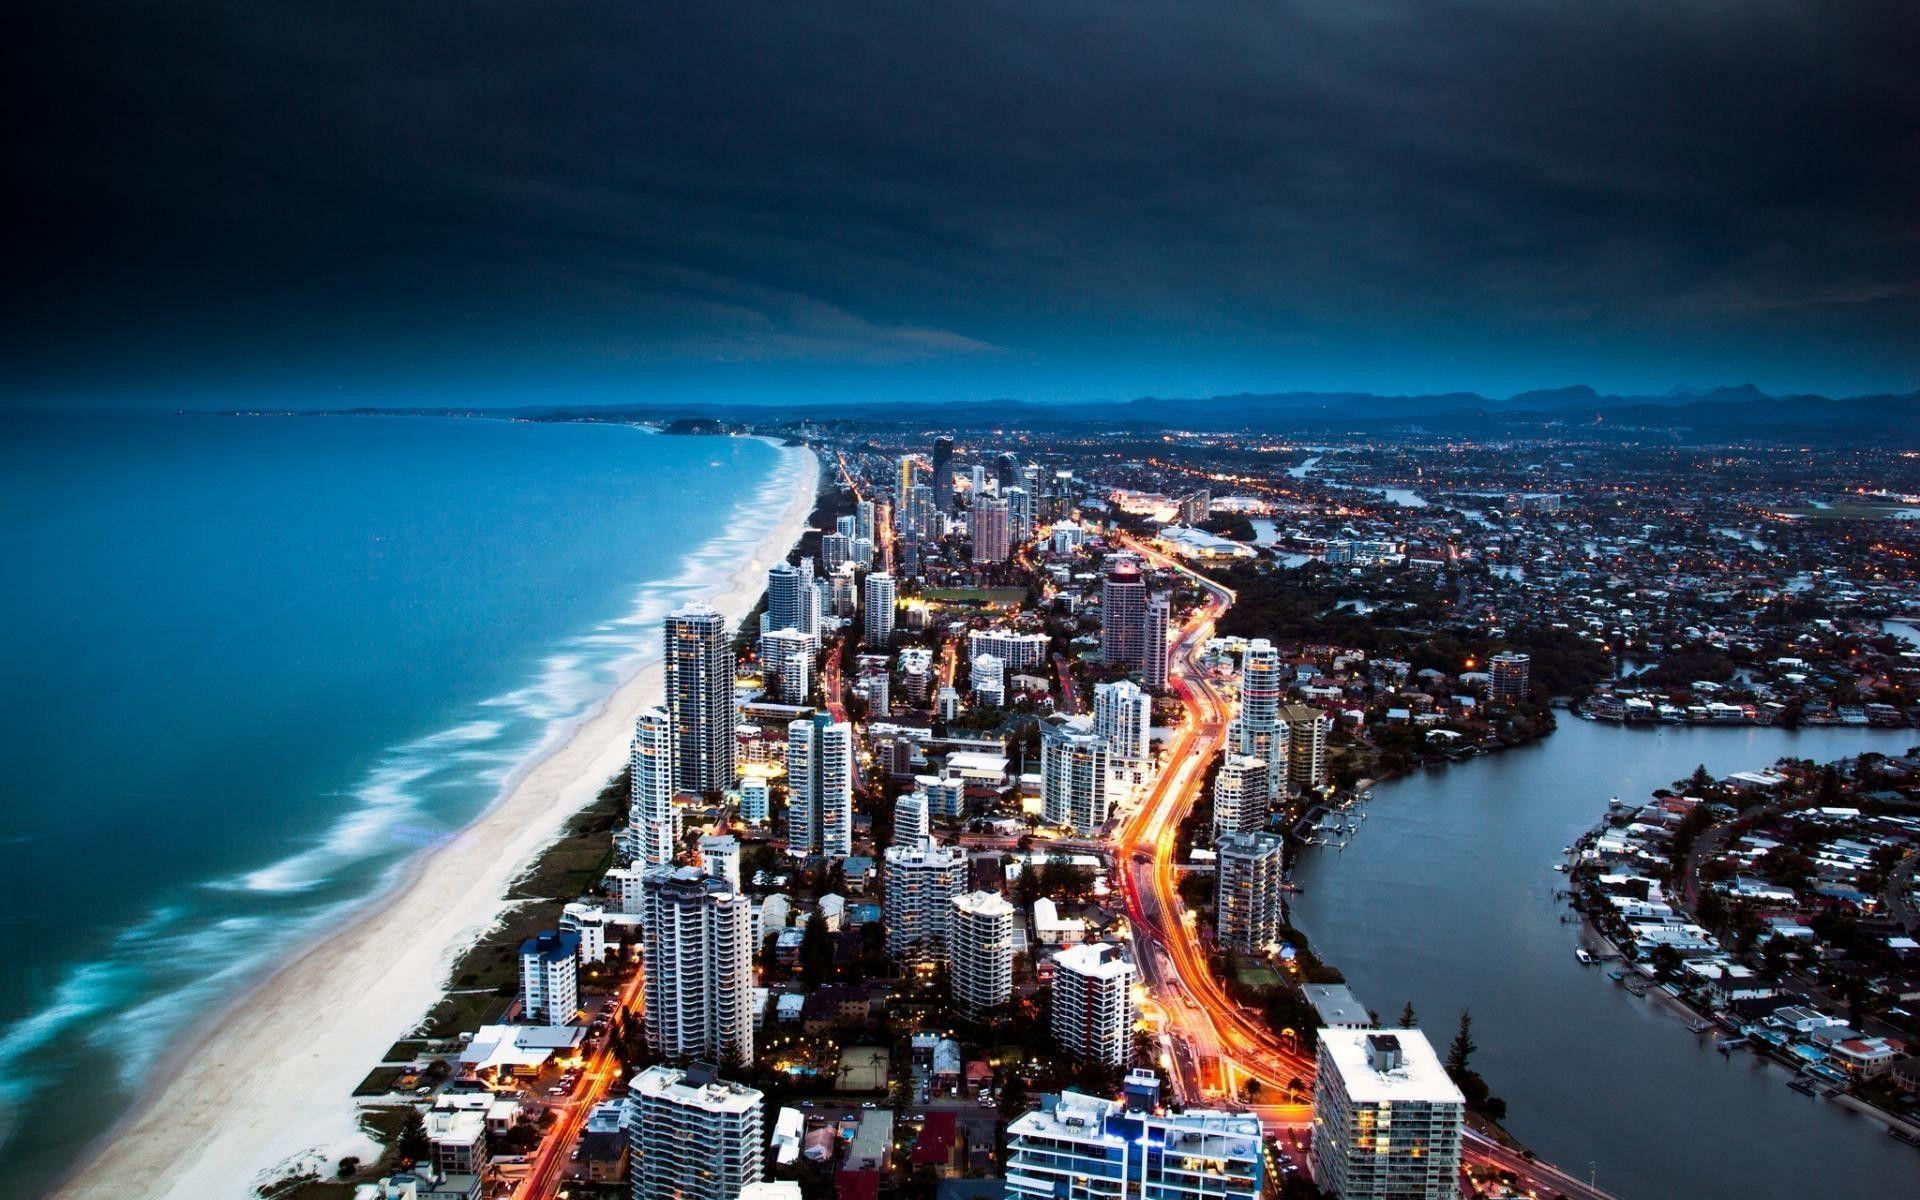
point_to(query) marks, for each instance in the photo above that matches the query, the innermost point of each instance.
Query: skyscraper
(1006, 471)
(820, 787)
(903, 486)
(792, 600)
(911, 820)
(1019, 512)
(1508, 677)
(921, 883)
(977, 484)
(699, 967)
(786, 660)
(1074, 767)
(991, 532)
(699, 662)
(980, 946)
(1241, 795)
(1122, 714)
(1123, 615)
(1153, 655)
(1093, 1003)
(878, 605)
(1306, 728)
(1386, 1118)
(1248, 871)
(692, 1136)
(1257, 730)
(863, 519)
(989, 681)
(943, 474)
(652, 813)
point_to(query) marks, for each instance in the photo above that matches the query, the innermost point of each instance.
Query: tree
(413, 1145)
(1407, 1018)
(1463, 1046)
(816, 951)
(1700, 782)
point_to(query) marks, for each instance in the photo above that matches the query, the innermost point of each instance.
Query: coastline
(264, 1088)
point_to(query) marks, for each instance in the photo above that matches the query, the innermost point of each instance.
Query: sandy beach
(267, 1087)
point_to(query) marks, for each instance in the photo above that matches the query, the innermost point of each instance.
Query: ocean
(255, 664)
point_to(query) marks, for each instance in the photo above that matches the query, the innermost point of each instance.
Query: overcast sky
(547, 201)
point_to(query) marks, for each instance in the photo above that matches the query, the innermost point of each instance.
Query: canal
(1445, 897)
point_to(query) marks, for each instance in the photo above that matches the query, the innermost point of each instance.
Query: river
(1445, 897)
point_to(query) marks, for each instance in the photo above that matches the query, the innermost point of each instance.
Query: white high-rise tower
(652, 813)
(699, 965)
(820, 787)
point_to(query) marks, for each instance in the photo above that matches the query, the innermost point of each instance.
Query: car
(869, 1104)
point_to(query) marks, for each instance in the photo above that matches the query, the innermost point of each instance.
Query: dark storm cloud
(1007, 192)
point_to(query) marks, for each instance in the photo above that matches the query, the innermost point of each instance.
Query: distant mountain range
(1743, 412)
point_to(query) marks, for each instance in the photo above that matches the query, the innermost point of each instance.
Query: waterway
(1445, 897)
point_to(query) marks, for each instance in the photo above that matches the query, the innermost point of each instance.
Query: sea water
(255, 664)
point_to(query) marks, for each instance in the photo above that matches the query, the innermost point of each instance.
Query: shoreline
(264, 1088)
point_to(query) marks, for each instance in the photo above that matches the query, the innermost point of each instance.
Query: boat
(1560, 866)
(1804, 1087)
(1581, 953)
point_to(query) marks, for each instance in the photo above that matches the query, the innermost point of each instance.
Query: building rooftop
(1417, 1075)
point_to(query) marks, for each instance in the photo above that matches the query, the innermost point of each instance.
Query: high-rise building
(989, 680)
(692, 1136)
(1123, 714)
(903, 486)
(550, 978)
(1241, 795)
(1083, 1146)
(1020, 518)
(1257, 730)
(980, 950)
(1509, 675)
(1307, 729)
(863, 519)
(1074, 767)
(912, 823)
(836, 549)
(943, 474)
(946, 703)
(992, 531)
(977, 483)
(820, 787)
(878, 604)
(1123, 615)
(1153, 661)
(792, 600)
(651, 813)
(1006, 471)
(699, 967)
(918, 893)
(1093, 1003)
(946, 795)
(755, 802)
(720, 858)
(1017, 650)
(786, 661)
(1195, 508)
(1249, 869)
(1386, 1118)
(699, 662)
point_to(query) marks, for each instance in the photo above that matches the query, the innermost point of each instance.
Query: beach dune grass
(486, 977)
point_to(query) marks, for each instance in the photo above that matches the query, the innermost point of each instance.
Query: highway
(1216, 1044)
